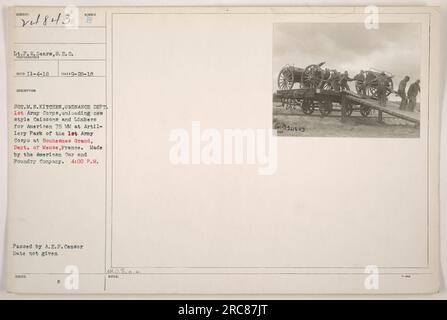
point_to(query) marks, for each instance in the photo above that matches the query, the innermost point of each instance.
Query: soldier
(334, 80)
(360, 83)
(344, 81)
(381, 89)
(412, 94)
(325, 75)
(401, 92)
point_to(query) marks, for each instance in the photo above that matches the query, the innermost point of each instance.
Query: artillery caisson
(288, 76)
(313, 76)
(370, 86)
(371, 82)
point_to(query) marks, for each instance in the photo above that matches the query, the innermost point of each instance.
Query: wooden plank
(390, 109)
(352, 93)
(297, 93)
(313, 93)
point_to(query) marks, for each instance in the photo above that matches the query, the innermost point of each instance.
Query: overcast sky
(349, 46)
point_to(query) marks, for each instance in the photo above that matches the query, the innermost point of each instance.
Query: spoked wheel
(311, 76)
(371, 89)
(307, 106)
(285, 79)
(365, 111)
(325, 108)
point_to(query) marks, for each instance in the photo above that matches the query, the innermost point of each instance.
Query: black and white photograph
(347, 80)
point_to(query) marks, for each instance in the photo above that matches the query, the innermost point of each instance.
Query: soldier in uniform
(413, 91)
(344, 81)
(334, 80)
(402, 92)
(360, 83)
(325, 75)
(381, 89)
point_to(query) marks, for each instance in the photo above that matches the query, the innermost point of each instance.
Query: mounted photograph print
(367, 77)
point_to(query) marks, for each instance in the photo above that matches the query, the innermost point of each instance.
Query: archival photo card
(144, 156)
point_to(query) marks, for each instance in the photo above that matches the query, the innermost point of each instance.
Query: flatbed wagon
(327, 101)
(309, 99)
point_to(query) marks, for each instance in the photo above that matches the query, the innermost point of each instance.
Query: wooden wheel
(307, 106)
(372, 83)
(285, 79)
(311, 76)
(365, 111)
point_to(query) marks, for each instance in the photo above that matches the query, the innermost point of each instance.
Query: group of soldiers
(408, 101)
(338, 81)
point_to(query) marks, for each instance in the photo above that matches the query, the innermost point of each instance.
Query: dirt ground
(296, 123)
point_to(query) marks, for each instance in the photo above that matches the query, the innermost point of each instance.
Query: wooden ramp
(391, 108)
